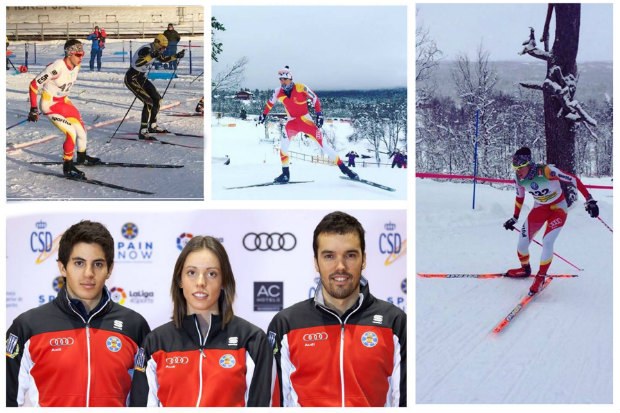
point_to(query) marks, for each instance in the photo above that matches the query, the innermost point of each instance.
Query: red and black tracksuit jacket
(64, 360)
(230, 366)
(326, 360)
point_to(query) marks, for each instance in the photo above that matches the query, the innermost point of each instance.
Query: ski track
(557, 350)
(99, 97)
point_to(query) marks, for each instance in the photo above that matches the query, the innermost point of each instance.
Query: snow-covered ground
(558, 350)
(254, 160)
(102, 99)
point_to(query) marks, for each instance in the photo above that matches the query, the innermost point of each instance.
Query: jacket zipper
(202, 342)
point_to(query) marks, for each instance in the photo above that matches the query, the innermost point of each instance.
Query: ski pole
(18, 123)
(196, 78)
(171, 77)
(560, 257)
(17, 71)
(130, 106)
(606, 226)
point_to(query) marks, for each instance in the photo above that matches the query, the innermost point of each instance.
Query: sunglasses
(517, 167)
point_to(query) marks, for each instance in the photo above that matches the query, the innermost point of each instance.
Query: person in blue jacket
(98, 39)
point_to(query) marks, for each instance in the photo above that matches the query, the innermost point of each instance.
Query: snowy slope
(103, 100)
(253, 160)
(558, 350)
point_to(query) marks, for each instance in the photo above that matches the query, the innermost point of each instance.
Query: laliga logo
(391, 243)
(183, 239)
(118, 295)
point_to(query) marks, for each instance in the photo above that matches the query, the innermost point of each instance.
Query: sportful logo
(315, 336)
(61, 341)
(233, 341)
(177, 360)
(118, 324)
(269, 242)
(377, 319)
(228, 361)
(369, 339)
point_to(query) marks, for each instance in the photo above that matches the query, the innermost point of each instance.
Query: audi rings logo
(315, 336)
(61, 341)
(269, 242)
(177, 360)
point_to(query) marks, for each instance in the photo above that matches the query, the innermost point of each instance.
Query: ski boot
(524, 271)
(200, 107)
(70, 171)
(538, 282)
(284, 176)
(153, 128)
(83, 159)
(348, 172)
(145, 135)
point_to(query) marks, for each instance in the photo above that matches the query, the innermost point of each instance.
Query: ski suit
(296, 105)
(358, 359)
(543, 182)
(229, 367)
(64, 360)
(56, 81)
(136, 81)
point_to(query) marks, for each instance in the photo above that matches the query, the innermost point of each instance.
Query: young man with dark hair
(344, 347)
(79, 349)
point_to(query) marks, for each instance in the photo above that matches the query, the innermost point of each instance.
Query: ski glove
(33, 115)
(181, 54)
(261, 118)
(319, 120)
(592, 208)
(510, 224)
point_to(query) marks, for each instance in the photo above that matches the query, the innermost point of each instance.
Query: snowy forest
(510, 116)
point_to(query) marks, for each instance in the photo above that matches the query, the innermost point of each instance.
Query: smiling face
(340, 262)
(86, 273)
(201, 281)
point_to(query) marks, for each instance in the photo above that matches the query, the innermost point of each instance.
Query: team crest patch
(534, 185)
(12, 347)
(227, 361)
(369, 339)
(113, 344)
(140, 358)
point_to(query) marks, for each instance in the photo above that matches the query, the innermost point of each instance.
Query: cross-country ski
(520, 306)
(490, 275)
(117, 164)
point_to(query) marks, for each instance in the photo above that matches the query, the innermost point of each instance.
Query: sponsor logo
(227, 361)
(183, 239)
(403, 286)
(113, 344)
(171, 361)
(118, 295)
(369, 339)
(58, 283)
(61, 341)
(269, 242)
(233, 341)
(534, 185)
(118, 324)
(140, 360)
(377, 319)
(43, 242)
(556, 223)
(268, 296)
(131, 250)
(391, 243)
(60, 119)
(322, 336)
(12, 346)
(54, 72)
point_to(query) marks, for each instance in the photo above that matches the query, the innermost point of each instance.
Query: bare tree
(427, 57)
(231, 77)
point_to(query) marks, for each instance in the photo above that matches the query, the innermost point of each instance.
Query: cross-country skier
(294, 97)
(543, 182)
(136, 80)
(56, 81)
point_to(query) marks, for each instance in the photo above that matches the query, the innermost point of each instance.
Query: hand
(319, 120)
(181, 54)
(592, 208)
(262, 118)
(33, 115)
(156, 54)
(510, 224)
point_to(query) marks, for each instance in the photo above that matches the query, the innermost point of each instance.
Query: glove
(319, 120)
(510, 224)
(33, 115)
(592, 208)
(181, 54)
(156, 54)
(262, 118)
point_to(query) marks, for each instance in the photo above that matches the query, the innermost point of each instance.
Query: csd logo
(177, 360)
(315, 337)
(265, 242)
(61, 341)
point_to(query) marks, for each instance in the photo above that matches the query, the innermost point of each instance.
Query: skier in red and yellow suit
(294, 97)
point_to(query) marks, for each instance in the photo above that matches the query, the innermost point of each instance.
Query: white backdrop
(144, 264)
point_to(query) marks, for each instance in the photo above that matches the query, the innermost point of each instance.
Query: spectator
(96, 50)
(352, 155)
(397, 158)
(173, 40)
